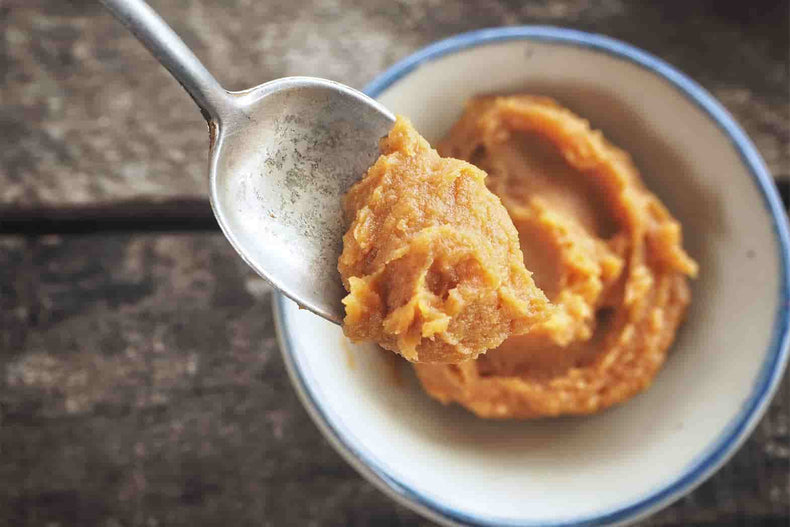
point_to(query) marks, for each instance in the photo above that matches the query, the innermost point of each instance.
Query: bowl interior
(634, 457)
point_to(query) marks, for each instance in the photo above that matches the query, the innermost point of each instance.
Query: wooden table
(140, 381)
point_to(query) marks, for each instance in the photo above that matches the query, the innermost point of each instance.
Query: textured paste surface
(603, 248)
(431, 259)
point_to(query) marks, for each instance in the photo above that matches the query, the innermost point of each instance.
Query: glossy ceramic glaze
(627, 462)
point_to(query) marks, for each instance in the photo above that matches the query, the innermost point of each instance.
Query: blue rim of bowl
(770, 374)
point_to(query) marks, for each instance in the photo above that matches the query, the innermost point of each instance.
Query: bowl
(729, 356)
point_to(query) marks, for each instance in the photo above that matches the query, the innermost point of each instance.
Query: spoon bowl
(282, 155)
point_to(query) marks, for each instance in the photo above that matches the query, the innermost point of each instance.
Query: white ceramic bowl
(728, 358)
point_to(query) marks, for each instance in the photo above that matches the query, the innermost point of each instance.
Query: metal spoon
(281, 156)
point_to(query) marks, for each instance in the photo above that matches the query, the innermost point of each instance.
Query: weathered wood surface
(141, 385)
(87, 115)
(140, 382)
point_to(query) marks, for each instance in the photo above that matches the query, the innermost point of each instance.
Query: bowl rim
(736, 431)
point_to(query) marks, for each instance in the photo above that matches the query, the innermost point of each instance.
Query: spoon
(281, 157)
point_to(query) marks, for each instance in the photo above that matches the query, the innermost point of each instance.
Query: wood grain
(88, 116)
(140, 382)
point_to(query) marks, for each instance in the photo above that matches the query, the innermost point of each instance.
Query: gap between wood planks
(178, 214)
(140, 215)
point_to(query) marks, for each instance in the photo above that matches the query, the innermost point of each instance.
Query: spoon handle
(168, 48)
